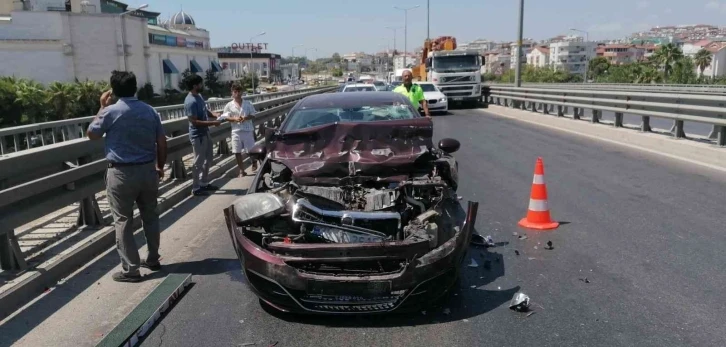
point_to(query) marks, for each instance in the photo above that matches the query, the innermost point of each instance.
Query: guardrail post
(178, 171)
(11, 256)
(89, 212)
(223, 148)
(560, 112)
(645, 124)
(618, 120)
(576, 112)
(721, 136)
(546, 109)
(714, 131)
(595, 116)
(680, 133)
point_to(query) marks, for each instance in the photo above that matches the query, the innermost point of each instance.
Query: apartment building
(618, 54)
(572, 56)
(527, 46)
(539, 57)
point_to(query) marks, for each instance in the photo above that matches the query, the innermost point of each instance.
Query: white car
(436, 99)
(380, 86)
(359, 87)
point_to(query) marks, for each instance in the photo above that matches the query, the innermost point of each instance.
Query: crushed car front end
(340, 278)
(353, 217)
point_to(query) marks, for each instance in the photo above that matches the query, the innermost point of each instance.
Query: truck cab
(456, 73)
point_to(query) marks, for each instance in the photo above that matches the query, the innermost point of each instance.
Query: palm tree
(702, 59)
(61, 97)
(666, 56)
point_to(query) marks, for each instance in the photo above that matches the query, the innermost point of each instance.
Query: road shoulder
(690, 151)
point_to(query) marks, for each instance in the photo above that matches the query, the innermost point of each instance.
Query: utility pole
(405, 30)
(518, 71)
(428, 19)
(252, 63)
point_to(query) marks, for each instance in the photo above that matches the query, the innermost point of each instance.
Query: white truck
(456, 73)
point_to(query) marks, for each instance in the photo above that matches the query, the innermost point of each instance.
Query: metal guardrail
(39, 181)
(675, 88)
(25, 137)
(707, 109)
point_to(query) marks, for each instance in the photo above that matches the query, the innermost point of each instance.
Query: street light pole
(518, 71)
(394, 40)
(587, 53)
(252, 63)
(123, 33)
(405, 30)
(294, 84)
(428, 19)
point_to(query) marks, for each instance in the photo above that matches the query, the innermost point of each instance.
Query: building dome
(181, 19)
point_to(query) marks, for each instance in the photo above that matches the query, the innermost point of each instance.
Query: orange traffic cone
(538, 213)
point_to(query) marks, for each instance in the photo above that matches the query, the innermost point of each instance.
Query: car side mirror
(449, 145)
(428, 69)
(270, 134)
(258, 152)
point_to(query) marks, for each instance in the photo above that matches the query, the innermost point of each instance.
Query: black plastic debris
(520, 302)
(584, 280)
(516, 252)
(549, 246)
(478, 240)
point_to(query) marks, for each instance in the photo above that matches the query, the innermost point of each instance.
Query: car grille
(458, 94)
(432, 101)
(340, 303)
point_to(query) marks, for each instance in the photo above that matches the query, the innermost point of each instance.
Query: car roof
(359, 85)
(351, 100)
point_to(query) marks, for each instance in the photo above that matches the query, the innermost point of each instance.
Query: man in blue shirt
(196, 110)
(136, 153)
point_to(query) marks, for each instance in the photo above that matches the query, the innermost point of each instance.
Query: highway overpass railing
(678, 107)
(674, 88)
(38, 181)
(25, 137)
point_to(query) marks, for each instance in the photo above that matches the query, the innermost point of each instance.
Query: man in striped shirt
(241, 114)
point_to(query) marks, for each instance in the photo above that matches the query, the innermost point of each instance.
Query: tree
(336, 72)
(598, 67)
(684, 72)
(702, 59)
(212, 83)
(183, 78)
(666, 56)
(60, 97)
(336, 58)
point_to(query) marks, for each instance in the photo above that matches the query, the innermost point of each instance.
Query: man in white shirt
(241, 114)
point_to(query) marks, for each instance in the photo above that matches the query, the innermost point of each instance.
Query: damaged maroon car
(353, 210)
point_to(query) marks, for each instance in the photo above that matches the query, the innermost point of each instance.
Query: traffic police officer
(413, 92)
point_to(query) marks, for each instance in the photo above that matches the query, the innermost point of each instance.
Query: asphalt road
(639, 261)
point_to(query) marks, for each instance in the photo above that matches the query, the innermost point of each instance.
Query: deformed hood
(386, 150)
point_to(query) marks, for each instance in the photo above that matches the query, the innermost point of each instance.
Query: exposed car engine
(370, 211)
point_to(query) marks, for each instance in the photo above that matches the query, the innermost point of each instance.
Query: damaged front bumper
(284, 281)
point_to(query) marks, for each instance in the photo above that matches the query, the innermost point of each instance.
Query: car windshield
(360, 89)
(309, 118)
(379, 84)
(426, 87)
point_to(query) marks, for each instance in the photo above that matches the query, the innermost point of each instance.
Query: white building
(539, 57)
(527, 47)
(43, 41)
(496, 63)
(572, 56)
(411, 60)
(717, 67)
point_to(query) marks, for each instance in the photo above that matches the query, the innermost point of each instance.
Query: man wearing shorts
(241, 113)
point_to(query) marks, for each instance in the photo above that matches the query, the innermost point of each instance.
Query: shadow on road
(466, 299)
(40, 310)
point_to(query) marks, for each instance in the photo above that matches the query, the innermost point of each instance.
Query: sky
(346, 26)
